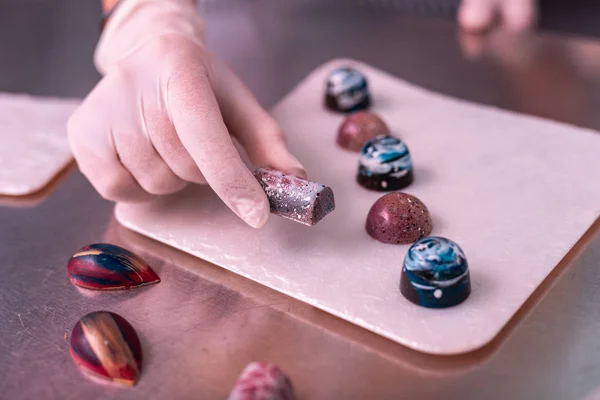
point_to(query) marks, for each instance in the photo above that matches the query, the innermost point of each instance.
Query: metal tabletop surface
(202, 324)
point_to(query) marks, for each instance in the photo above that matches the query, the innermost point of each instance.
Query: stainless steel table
(202, 324)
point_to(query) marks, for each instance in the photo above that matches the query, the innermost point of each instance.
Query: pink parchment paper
(33, 141)
(516, 192)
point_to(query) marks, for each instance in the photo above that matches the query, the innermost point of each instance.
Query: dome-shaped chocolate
(347, 91)
(435, 273)
(398, 218)
(358, 128)
(385, 165)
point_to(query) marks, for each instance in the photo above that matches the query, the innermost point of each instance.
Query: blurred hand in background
(478, 16)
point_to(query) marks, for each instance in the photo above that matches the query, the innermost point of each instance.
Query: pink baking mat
(515, 192)
(33, 141)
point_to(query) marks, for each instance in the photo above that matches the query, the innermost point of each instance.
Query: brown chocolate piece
(398, 218)
(358, 128)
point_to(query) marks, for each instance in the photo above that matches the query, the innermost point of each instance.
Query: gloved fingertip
(254, 211)
(299, 172)
(295, 167)
(282, 161)
(256, 218)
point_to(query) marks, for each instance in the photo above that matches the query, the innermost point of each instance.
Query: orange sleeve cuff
(108, 5)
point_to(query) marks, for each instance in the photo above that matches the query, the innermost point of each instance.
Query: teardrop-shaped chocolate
(262, 381)
(106, 345)
(104, 266)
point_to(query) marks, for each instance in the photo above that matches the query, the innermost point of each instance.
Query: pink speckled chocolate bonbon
(398, 218)
(262, 381)
(294, 198)
(358, 128)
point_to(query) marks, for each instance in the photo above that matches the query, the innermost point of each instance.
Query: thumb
(260, 135)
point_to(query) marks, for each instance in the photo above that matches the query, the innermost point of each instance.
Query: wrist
(108, 7)
(134, 23)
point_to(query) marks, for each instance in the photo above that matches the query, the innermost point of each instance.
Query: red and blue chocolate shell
(106, 345)
(104, 266)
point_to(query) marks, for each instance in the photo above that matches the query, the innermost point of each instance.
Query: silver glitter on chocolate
(294, 198)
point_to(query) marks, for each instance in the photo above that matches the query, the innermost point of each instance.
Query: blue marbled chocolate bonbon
(435, 273)
(347, 91)
(385, 164)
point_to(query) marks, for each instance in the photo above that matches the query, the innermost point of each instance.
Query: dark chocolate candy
(295, 198)
(385, 164)
(435, 273)
(347, 91)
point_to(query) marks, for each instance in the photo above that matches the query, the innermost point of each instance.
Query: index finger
(200, 127)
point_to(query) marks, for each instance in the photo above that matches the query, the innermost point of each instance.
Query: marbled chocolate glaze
(385, 164)
(347, 91)
(106, 345)
(104, 266)
(435, 273)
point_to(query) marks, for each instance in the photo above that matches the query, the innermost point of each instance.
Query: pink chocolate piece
(358, 128)
(398, 218)
(294, 198)
(262, 381)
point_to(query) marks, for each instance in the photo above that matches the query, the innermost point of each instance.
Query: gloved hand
(163, 114)
(480, 15)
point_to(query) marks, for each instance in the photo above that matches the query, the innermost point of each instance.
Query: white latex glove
(163, 113)
(480, 15)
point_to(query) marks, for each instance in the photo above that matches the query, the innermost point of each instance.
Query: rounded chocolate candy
(435, 273)
(262, 381)
(347, 91)
(385, 164)
(104, 266)
(358, 128)
(105, 345)
(398, 218)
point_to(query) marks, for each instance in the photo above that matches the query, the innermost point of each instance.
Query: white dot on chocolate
(437, 293)
(384, 184)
